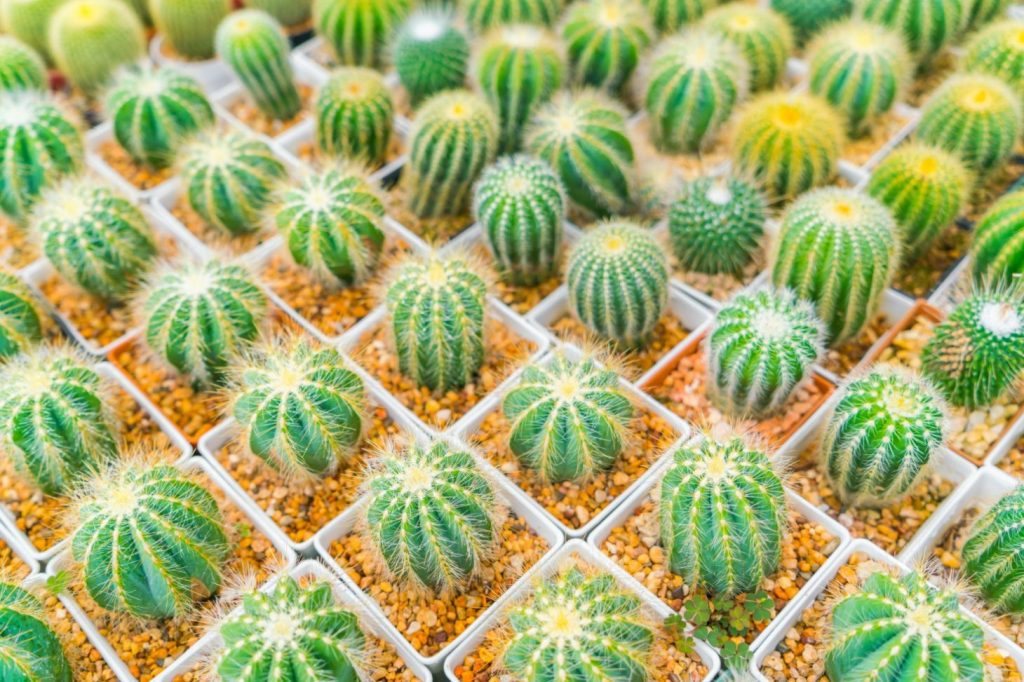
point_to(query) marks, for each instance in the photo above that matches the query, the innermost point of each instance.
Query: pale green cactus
(762, 36)
(21, 325)
(27, 20)
(482, 15)
(997, 247)
(289, 12)
(354, 112)
(605, 40)
(358, 30)
(671, 15)
(998, 51)
(189, 26)
(993, 549)
(90, 39)
(21, 67)
(254, 45)
(30, 650)
(927, 26)
(807, 18)
(430, 53)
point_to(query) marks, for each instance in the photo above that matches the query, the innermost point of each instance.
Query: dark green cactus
(992, 554)
(20, 318)
(807, 18)
(30, 650)
(430, 54)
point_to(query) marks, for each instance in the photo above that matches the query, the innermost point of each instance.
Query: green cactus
(430, 514)
(229, 179)
(605, 40)
(189, 26)
(358, 30)
(984, 11)
(927, 26)
(998, 51)
(997, 247)
(332, 223)
(907, 629)
(254, 45)
(669, 16)
(722, 511)
(56, 427)
(454, 136)
(90, 39)
(354, 112)
(293, 634)
(30, 651)
(617, 278)
(762, 36)
(198, 316)
(788, 142)
(288, 12)
(27, 20)
(21, 68)
(992, 552)
(583, 137)
(576, 625)
(482, 15)
(838, 249)
(430, 53)
(691, 85)
(807, 18)
(20, 318)
(437, 308)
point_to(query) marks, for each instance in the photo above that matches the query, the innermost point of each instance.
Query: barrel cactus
(605, 40)
(27, 21)
(30, 650)
(671, 15)
(998, 51)
(984, 11)
(485, 14)
(430, 54)
(354, 112)
(807, 18)
(291, 13)
(927, 26)
(90, 39)
(189, 26)
(992, 552)
(20, 318)
(21, 68)
(997, 247)
(358, 30)
(254, 45)
(762, 36)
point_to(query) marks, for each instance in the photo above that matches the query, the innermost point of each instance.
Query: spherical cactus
(300, 408)
(605, 40)
(837, 249)
(254, 45)
(354, 112)
(229, 179)
(20, 317)
(30, 651)
(288, 12)
(437, 310)
(358, 30)
(997, 248)
(807, 18)
(670, 15)
(583, 137)
(984, 11)
(454, 136)
(291, 634)
(485, 14)
(692, 84)
(332, 224)
(992, 554)
(788, 142)
(430, 53)
(198, 316)
(722, 511)
(27, 20)
(716, 225)
(906, 628)
(927, 26)
(55, 424)
(189, 26)
(21, 68)
(762, 36)
(617, 278)
(144, 536)
(430, 514)
(999, 51)
(90, 39)
(520, 204)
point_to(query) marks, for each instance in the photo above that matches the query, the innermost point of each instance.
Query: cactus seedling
(20, 318)
(254, 45)
(761, 35)
(288, 12)
(90, 39)
(189, 26)
(430, 54)
(999, 51)
(605, 40)
(997, 248)
(927, 26)
(671, 15)
(485, 14)
(992, 552)
(353, 115)
(358, 30)
(21, 68)
(30, 650)
(807, 18)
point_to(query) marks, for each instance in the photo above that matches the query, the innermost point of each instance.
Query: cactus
(927, 26)
(838, 249)
(984, 11)
(669, 16)
(56, 427)
(482, 15)
(354, 111)
(807, 18)
(617, 278)
(430, 54)
(30, 651)
(454, 136)
(788, 142)
(575, 625)
(255, 47)
(332, 223)
(20, 67)
(20, 318)
(294, 633)
(437, 321)
(722, 511)
(716, 225)
(197, 316)
(906, 628)
(288, 12)
(998, 51)
(993, 550)
(977, 354)
(229, 179)
(189, 26)
(691, 85)
(520, 203)
(997, 248)
(90, 39)
(925, 188)
(583, 137)
(358, 30)
(518, 68)
(27, 21)
(605, 40)
(762, 36)
(431, 514)
(881, 436)
(145, 535)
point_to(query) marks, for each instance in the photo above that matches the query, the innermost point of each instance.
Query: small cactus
(762, 36)
(997, 247)
(984, 11)
(722, 511)
(253, 44)
(354, 112)
(430, 54)
(605, 40)
(807, 18)
(617, 278)
(568, 420)
(21, 68)
(289, 12)
(669, 16)
(837, 249)
(189, 26)
(30, 651)
(482, 15)
(927, 26)
(90, 39)
(998, 51)
(27, 20)
(358, 30)
(431, 514)
(21, 324)
(520, 204)
(993, 551)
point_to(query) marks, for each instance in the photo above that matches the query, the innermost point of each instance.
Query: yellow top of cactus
(417, 479)
(788, 115)
(977, 92)
(613, 243)
(561, 622)
(89, 11)
(122, 501)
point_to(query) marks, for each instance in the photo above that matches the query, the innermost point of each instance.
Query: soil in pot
(720, 287)
(692, 166)
(920, 277)
(520, 298)
(995, 185)
(87, 664)
(435, 231)
(243, 109)
(842, 359)
(10, 563)
(1013, 462)
(138, 175)
(309, 153)
(666, 335)
(860, 150)
(213, 237)
(17, 249)
(930, 77)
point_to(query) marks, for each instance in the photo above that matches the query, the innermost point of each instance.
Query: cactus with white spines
(997, 247)
(482, 15)
(21, 68)
(998, 51)
(430, 53)
(431, 514)
(190, 26)
(354, 111)
(30, 650)
(807, 19)
(605, 40)
(21, 325)
(984, 11)
(254, 45)
(927, 26)
(520, 204)
(762, 36)
(722, 513)
(669, 16)
(27, 20)
(288, 12)
(993, 551)
(90, 39)
(358, 30)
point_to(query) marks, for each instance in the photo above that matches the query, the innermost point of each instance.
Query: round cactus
(762, 36)
(617, 278)
(90, 39)
(807, 18)
(670, 15)
(520, 204)
(30, 651)
(605, 40)
(984, 11)
(21, 68)
(430, 53)
(788, 142)
(254, 45)
(993, 551)
(838, 249)
(485, 14)
(288, 12)
(189, 26)
(437, 310)
(354, 111)
(927, 26)
(999, 51)
(431, 514)
(997, 248)
(20, 317)
(722, 511)
(27, 20)
(358, 30)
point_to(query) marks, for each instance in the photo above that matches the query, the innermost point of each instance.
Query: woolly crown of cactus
(30, 649)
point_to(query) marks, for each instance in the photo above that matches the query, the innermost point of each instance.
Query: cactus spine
(999, 51)
(761, 35)
(358, 30)
(430, 54)
(90, 39)
(20, 67)
(605, 40)
(927, 26)
(670, 15)
(30, 650)
(20, 318)
(993, 550)
(806, 18)
(288, 12)
(997, 248)
(189, 26)
(482, 15)
(27, 20)
(354, 110)
(255, 47)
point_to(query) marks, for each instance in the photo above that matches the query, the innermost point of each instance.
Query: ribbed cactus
(691, 85)
(927, 26)
(90, 39)
(984, 11)
(520, 204)
(55, 424)
(993, 551)
(431, 514)
(254, 45)
(437, 308)
(670, 15)
(27, 20)
(154, 111)
(229, 178)
(430, 53)
(145, 535)
(716, 225)
(977, 353)
(454, 136)
(788, 142)
(21, 68)
(925, 188)
(30, 651)
(838, 249)
(762, 36)
(807, 18)
(999, 51)
(189, 26)
(484, 14)
(20, 317)
(332, 223)
(296, 633)
(354, 112)
(576, 625)
(605, 40)
(358, 30)
(288, 12)
(198, 316)
(583, 137)
(722, 511)
(617, 278)
(904, 628)
(997, 247)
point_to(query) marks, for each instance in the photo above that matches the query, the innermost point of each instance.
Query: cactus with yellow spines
(358, 30)
(997, 247)
(927, 26)
(998, 50)
(90, 39)
(21, 324)
(762, 36)
(605, 40)
(189, 26)
(21, 67)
